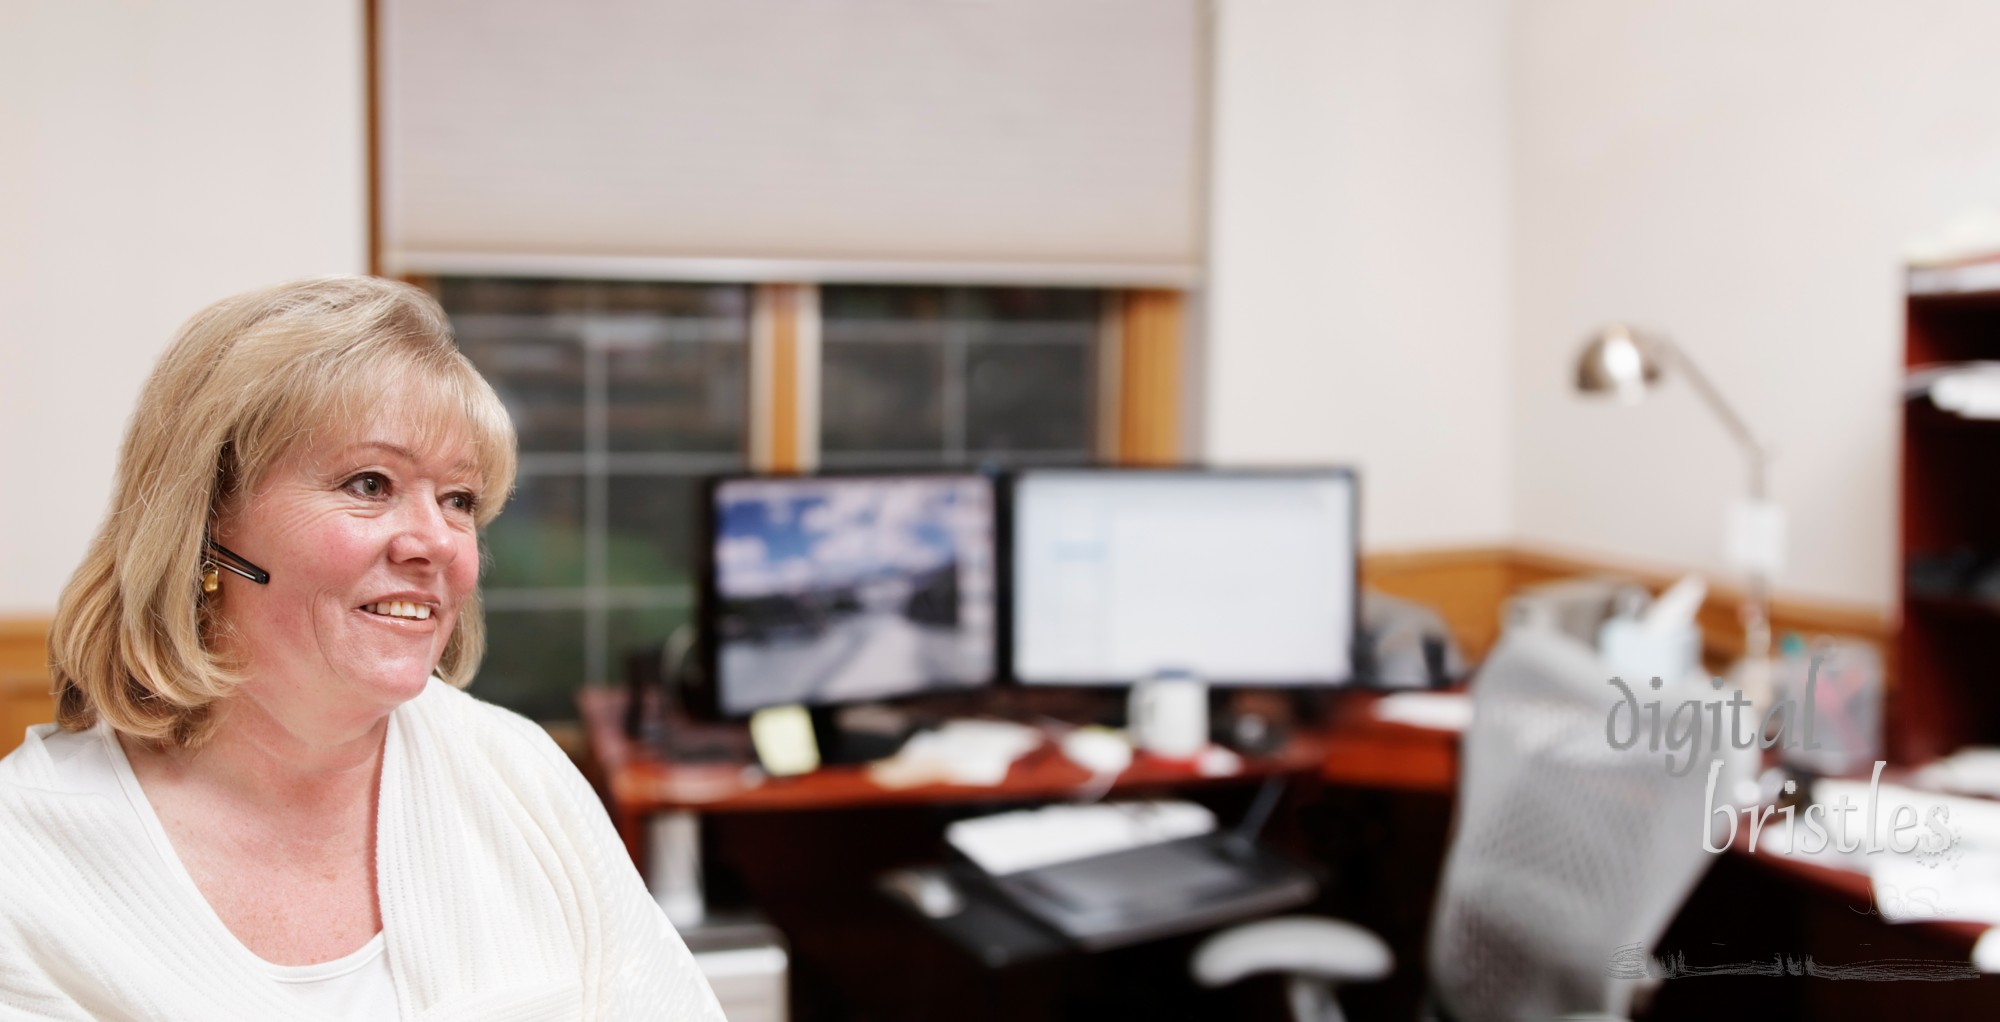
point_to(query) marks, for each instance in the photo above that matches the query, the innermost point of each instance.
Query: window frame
(1137, 422)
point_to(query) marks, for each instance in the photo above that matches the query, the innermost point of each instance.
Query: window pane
(534, 662)
(1031, 396)
(896, 304)
(880, 395)
(524, 337)
(684, 387)
(1053, 305)
(538, 538)
(652, 523)
(507, 296)
(914, 376)
(636, 628)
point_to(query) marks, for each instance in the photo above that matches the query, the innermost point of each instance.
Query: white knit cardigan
(505, 892)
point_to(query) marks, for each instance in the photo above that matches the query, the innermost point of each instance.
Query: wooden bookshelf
(1948, 678)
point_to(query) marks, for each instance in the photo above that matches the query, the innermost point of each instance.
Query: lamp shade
(1620, 361)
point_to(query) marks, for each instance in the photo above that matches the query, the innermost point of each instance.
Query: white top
(505, 893)
(356, 985)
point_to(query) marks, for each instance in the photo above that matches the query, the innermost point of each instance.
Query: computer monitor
(1241, 578)
(824, 590)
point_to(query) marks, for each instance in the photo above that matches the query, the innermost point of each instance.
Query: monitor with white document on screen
(1239, 578)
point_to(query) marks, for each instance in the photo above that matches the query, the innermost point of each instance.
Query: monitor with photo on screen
(825, 590)
(1240, 578)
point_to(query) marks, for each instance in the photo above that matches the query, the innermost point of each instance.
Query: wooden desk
(805, 851)
(641, 783)
(1365, 752)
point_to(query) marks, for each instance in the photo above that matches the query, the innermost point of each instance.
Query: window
(626, 394)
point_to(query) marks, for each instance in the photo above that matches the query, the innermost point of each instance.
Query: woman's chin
(389, 689)
(406, 685)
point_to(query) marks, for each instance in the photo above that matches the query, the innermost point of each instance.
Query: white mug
(1168, 716)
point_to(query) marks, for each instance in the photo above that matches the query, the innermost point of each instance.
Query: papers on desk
(1986, 953)
(1910, 890)
(1973, 770)
(1438, 711)
(969, 752)
(1031, 838)
(1962, 883)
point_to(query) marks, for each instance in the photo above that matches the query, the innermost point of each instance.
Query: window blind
(1055, 141)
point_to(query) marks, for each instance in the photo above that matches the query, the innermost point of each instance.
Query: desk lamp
(1627, 363)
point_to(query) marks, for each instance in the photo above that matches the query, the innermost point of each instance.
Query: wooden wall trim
(24, 678)
(1466, 585)
(1149, 381)
(1722, 630)
(1469, 585)
(785, 378)
(779, 379)
(24, 646)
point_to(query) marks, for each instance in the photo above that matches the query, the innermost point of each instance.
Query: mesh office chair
(1565, 849)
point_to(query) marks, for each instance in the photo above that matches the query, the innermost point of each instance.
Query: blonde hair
(243, 383)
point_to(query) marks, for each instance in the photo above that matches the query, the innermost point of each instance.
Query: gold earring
(211, 579)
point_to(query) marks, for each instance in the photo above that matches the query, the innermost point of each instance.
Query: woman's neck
(256, 757)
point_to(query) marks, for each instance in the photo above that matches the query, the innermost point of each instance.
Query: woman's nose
(423, 534)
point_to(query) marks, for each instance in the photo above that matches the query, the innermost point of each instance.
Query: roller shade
(943, 140)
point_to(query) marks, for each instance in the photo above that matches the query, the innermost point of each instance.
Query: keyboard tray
(1158, 890)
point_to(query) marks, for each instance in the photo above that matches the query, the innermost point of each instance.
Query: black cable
(1260, 810)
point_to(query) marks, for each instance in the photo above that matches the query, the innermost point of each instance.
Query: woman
(265, 796)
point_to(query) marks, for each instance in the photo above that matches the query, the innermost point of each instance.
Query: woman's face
(371, 547)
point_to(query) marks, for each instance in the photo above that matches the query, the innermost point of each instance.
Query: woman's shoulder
(43, 760)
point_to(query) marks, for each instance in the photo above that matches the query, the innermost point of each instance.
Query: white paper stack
(968, 752)
(1437, 711)
(1974, 770)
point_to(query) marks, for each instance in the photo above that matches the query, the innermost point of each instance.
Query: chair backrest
(1565, 848)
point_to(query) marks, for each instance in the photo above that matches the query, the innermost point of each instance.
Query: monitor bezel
(1011, 584)
(705, 699)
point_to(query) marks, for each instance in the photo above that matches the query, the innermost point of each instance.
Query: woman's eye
(464, 502)
(368, 484)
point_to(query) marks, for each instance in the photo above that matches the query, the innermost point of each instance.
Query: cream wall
(1359, 305)
(153, 157)
(1418, 207)
(1742, 176)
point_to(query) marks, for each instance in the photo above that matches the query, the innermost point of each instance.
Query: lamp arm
(1757, 607)
(1753, 449)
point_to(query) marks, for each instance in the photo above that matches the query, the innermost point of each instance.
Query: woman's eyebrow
(390, 447)
(382, 445)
